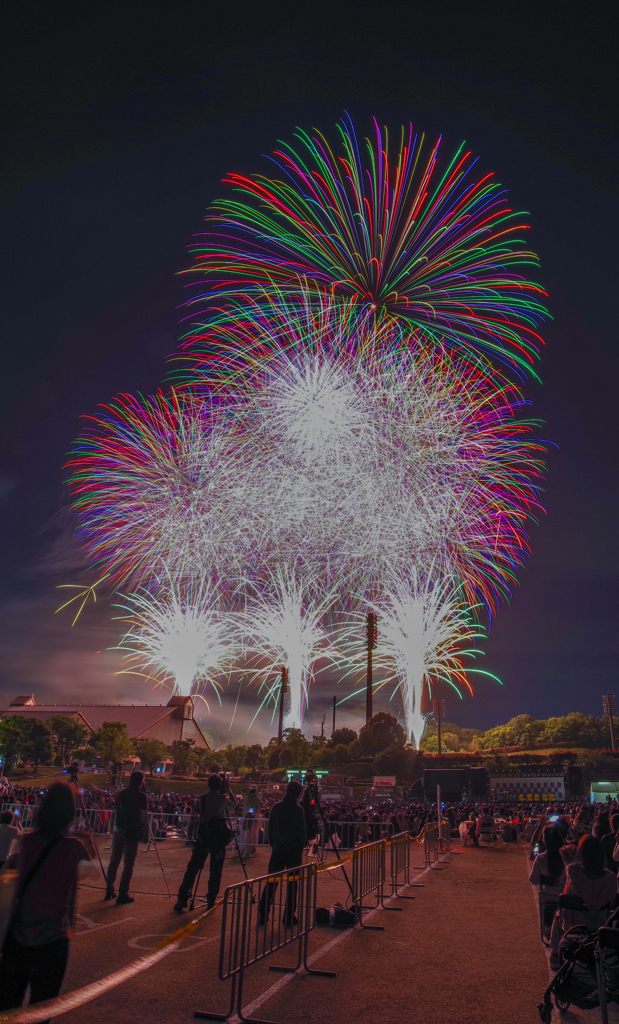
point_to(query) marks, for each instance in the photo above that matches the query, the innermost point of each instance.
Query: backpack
(216, 833)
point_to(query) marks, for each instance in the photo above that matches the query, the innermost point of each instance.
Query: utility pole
(282, 691)
(438, 710)
(333, 730)
(322, 727)
(371, 632)
(608, 703)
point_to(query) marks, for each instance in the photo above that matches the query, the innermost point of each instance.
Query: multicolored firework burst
(338, 437)
(375, 453)
(155, 487)
(402, 235)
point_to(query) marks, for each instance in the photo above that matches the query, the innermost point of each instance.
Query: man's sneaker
(109, 893)
(180, 905)
(123, 897)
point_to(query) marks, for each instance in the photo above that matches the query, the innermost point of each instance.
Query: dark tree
(344, 735)
(69, 733)
(381, 731)
(253, 756)
(39, 745)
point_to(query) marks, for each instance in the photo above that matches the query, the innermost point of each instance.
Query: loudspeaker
(478, 784)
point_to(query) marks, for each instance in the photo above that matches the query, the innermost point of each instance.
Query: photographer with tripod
(214, 834)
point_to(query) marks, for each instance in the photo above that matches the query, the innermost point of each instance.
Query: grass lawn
(99, 781)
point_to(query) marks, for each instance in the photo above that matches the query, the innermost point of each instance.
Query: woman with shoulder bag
(36, 948)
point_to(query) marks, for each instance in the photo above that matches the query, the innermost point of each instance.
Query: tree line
(526, 732)
(59, 739)
(380, 746)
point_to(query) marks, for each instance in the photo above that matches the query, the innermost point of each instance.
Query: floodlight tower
(438, 710)
(282, 692)
(608, 703)
(371, 632)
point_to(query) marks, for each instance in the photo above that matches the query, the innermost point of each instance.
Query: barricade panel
(400, 863)
(261, 916)
(368, 876)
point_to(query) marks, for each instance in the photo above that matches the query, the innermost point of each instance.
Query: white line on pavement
(99, 927)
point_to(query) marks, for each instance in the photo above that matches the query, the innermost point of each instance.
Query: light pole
(608, 703)
(438, 710)
(333, 730)
(282, 691)
(371, 632)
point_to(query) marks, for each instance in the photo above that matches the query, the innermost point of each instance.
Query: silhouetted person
(36, 949)
(287, 836)
(131, 827)
(211, 840)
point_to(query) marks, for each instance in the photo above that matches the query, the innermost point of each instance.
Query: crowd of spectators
(577, 857)
(368, 819)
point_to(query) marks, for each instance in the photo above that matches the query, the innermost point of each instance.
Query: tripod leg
(194, 894)
(337, 852)
(80, 804)
(150, 836)
(238, 848)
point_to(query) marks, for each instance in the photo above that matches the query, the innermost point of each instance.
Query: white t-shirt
(540, 867)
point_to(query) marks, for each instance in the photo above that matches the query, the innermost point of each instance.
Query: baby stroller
(584, 973)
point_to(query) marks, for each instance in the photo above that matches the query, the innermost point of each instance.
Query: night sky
(120, 121)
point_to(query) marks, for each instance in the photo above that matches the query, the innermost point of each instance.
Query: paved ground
(466, 950)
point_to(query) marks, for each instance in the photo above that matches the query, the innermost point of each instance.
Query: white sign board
(384, 780)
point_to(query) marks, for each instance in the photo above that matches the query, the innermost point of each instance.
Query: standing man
(131, 827)
(287, 836)
(213, 837)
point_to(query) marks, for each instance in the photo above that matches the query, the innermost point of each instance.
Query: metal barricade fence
(98, 820)
(24, 812)
(445, 839)
(260, 917)
(368, 876)
(430, 846)
(176, 826)
(254, 832)
(400, 862)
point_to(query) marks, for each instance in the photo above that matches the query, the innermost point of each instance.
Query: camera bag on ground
(339, 917)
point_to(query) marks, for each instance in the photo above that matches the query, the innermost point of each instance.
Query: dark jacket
(287, 827)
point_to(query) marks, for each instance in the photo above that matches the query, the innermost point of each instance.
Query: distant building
(165, 722)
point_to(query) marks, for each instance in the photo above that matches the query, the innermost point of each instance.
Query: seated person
(609, 844)
(548, 872)
(597, 887)
(508, 832)
(485, 825)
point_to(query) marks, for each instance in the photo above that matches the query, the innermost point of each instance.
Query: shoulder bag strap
(38, 863)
